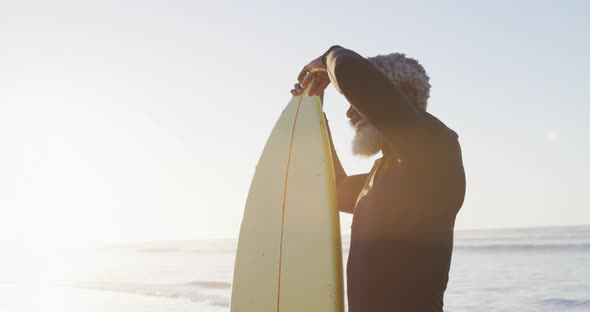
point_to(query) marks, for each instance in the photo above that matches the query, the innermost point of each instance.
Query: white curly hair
(404, 70)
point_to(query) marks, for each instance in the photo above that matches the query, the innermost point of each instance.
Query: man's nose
(350, 112)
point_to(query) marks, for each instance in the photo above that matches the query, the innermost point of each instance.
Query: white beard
(367, 141)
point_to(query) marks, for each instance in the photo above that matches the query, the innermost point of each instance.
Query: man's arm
(379, 101)
(339, 173)
(347, 187)
(348, 190)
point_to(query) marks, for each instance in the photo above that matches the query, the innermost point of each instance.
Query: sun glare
(39, 272)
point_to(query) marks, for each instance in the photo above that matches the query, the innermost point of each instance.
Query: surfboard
(289, 256)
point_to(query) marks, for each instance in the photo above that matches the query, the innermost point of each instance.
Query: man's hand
(298, 90)
(315, 76)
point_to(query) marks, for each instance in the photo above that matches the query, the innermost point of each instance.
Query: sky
(144, 120)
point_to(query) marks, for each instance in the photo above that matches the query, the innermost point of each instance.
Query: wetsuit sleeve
(378, 100)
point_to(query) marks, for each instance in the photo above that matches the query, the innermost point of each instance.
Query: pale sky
(144, 120)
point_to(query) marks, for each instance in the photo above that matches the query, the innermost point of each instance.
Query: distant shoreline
(532, 227)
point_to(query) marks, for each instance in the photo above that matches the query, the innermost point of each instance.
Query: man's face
(367, 140)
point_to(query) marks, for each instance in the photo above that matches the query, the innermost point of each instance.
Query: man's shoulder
(442, 141)
(438, 128)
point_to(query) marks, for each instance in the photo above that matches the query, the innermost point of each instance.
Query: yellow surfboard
(289, 256)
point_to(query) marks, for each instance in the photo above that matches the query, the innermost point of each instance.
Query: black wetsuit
(402, 230)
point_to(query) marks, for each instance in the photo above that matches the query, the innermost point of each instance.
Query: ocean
(533, 269)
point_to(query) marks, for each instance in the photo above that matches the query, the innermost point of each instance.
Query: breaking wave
(567, 303)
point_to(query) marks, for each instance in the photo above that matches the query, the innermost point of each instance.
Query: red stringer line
(284, 202)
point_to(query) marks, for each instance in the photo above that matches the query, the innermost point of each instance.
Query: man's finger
(319, 84)
(302, 74)
(297, 90)
(326, 83)
(313, 87)
(322, 87)
(307, 80)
